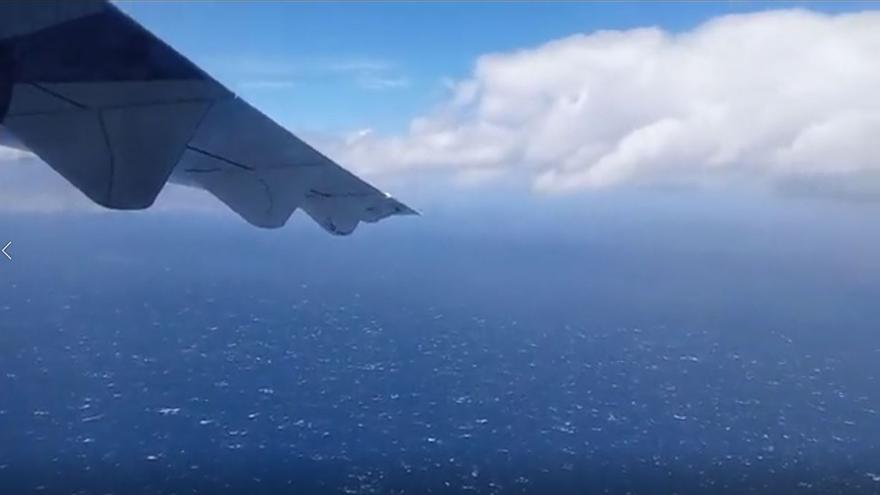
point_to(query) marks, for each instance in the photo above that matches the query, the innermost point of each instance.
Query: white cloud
(354, 65)
(269, 84)
(379, 82)
(266, 72)
(774, 96)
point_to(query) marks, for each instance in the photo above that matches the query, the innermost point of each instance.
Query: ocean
(163, 353)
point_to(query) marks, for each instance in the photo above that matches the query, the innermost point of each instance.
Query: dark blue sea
(157, 353)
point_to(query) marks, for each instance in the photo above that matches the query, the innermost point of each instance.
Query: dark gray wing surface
(119, 113)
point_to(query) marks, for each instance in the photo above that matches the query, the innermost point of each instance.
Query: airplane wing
(119, 113)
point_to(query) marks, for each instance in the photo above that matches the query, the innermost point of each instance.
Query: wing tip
(404, 210)
(400, 208)
(344, 225)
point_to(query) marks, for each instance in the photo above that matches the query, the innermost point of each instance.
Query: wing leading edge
(119, 113)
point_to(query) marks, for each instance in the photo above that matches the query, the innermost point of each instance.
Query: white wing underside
(120, 127)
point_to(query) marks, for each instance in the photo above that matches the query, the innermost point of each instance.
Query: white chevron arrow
(4, 250)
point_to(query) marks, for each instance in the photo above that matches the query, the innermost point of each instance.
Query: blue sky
(340, 66)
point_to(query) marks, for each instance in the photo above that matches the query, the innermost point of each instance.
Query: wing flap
(145, 143)
(71, 143)
(120, 158)
(259, 143)
(282, 173)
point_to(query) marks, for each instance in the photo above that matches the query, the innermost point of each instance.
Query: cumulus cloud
(781, 97)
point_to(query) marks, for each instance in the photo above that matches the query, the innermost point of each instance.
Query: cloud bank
(787, 98)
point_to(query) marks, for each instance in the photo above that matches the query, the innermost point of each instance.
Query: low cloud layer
(28, 185)
(786, 98)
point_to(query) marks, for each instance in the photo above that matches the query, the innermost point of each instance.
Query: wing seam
(59, 96)
(195, 130)
(269, 196)
(112, 107)
(321, 194)
(218, 157)
(112, 156)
